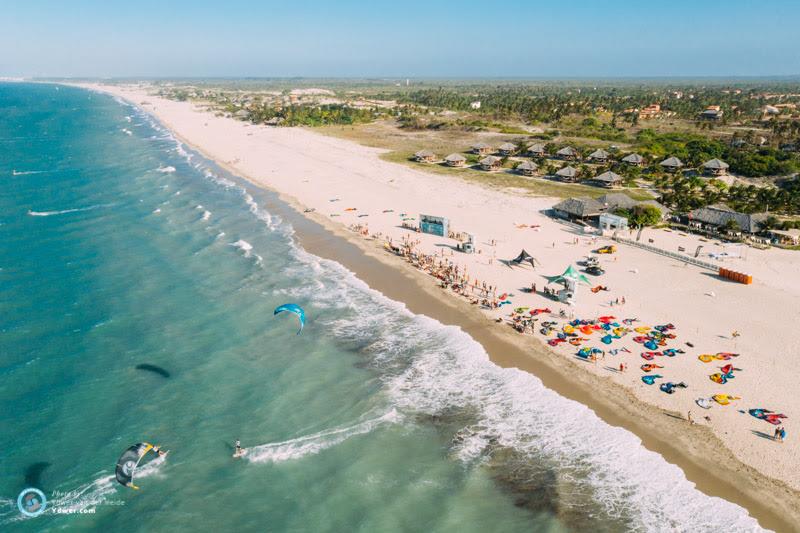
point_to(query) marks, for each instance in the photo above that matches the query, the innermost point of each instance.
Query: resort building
(507, 149)
(588, 208)
(481, 148)
(537, 150)
(649, 112)
(671, 164)
(568, 153)
(491, 163)
(527, 168)
(634, 160)
(617, 200)
(578, 208)
(424, 156)
(568, 174)
(455, 160)
(721, 216)
(715, 167)
(599, 156)
(712, 112)
(611, 222)
(608, 179)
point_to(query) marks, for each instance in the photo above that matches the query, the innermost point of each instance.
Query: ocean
(137, 288)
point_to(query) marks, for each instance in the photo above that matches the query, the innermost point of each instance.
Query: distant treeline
(549, 103)
(312, 115)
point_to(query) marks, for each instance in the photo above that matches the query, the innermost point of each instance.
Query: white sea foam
(66, 211)
(433, 370)
(206, 215)
(126, 131)
(166, 170)
(277, 452)
(244, 246)
(26, 172)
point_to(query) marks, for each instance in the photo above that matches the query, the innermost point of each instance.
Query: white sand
(313, 169)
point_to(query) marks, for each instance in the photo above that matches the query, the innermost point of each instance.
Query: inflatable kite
(647, 367)
(651, 379)
(293, 308)
(670, 387)
(129, 461)
(705, 403)
(672, 352)
(724, 376)
(724, 399)
(768, 416)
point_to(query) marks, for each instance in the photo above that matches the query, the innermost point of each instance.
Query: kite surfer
(238, 450)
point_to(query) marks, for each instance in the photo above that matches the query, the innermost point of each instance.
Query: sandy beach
(729, 454)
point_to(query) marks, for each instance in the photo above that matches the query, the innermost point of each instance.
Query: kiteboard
(241, 453)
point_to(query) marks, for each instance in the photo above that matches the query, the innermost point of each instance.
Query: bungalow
(599, 156)
(537, 150)
(578, 208)
(507, 149)
(720, 215)
(491, 163)
(568, 153)
(617, 200)
(455, 160)
(527, 168)
(568, 173)
(608, 179)
(634, 160)
(715, 167)
(481, 148)
(424, 156)
(712, 112)
(672, 164)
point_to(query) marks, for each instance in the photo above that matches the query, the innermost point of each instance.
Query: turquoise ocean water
(120, 247)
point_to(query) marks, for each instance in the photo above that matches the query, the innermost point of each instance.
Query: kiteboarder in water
(238, 450)
(130, 459)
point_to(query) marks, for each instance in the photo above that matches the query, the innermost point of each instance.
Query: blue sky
(510, 38)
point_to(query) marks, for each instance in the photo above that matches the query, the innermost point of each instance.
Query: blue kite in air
(293, 308)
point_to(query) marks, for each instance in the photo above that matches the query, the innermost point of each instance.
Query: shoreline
(688, 447)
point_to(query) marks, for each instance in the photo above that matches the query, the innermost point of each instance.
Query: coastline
(772, 502)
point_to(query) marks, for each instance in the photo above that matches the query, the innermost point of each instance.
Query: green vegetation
(641, 215)
(302, 115)
(684, 194)
(694, 149)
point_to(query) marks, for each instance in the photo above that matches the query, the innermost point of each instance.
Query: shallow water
(121, 250)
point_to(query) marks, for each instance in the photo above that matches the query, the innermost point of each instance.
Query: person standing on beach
(777, 433)
(689, 417)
